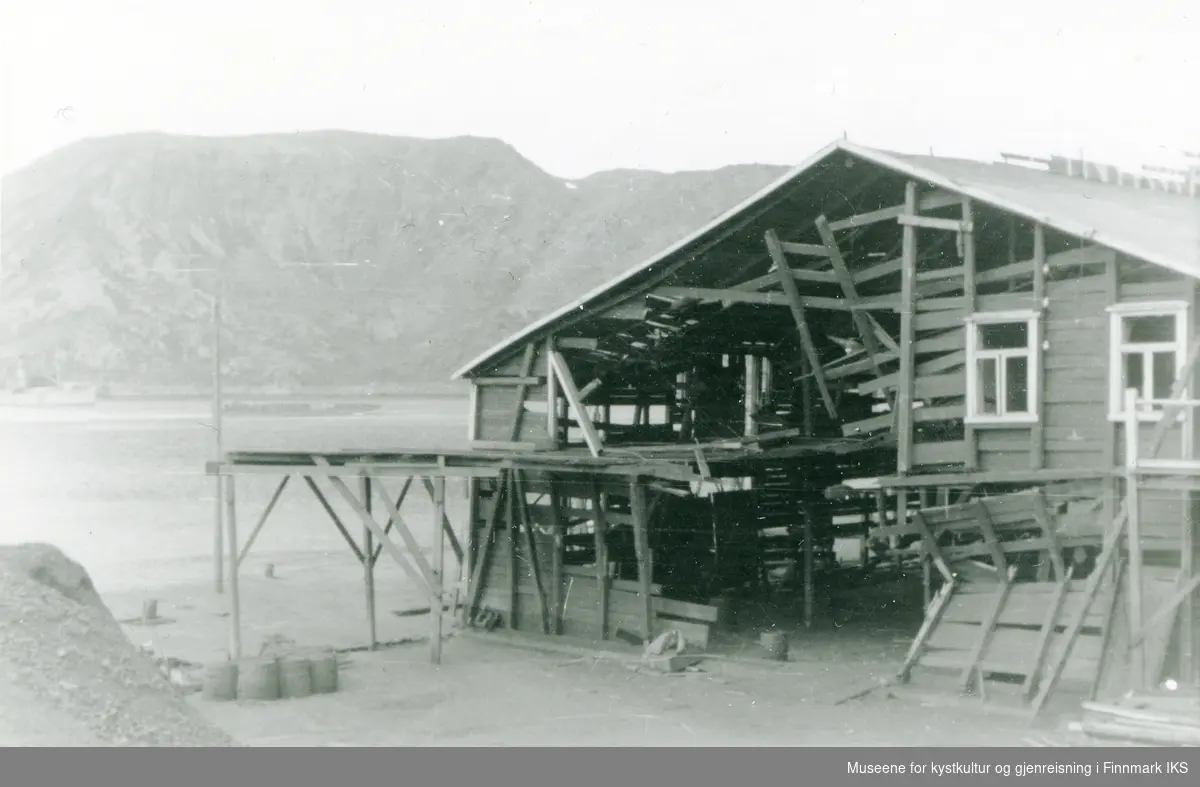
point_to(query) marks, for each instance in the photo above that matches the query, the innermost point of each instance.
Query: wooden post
(1037, 443)
(1188, 668)
(512, 513)
(551, 395)
(437, 595)
(753, 380)
(908, 296)
(1137, 665)
(466, 568)
(556, 559)
(600, 526)
(808, 564)
(369, 567)
(641, 540)
(968, 258)
(235, 600)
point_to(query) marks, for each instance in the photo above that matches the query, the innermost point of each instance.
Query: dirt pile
(68, 673)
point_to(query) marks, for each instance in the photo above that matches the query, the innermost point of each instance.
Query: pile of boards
(1157, 719)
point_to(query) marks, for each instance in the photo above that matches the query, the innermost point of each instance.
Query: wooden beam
(883, 336)
(1045, 518)
(514, 431)
(1008, 272)
(576, 343)
(262, 520)
(589, 389)
(1108, 551)
(508, 381)
(504, 445)
(713, 295)
(930, 223)
(337, 522)
(418, 576)
(908, 281)
(862, 320)
(933, 616)
(1167, 610)
(535, 563)
(770, 279)
(932, 550)
(473, 414)
(878, 271)
(431, 489)
(864, 219)
(983, 520)
(972, 668)
(563, 373)
(797, 307)
(806, 249)
(1046, 634)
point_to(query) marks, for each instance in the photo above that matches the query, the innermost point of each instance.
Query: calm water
(122, 488)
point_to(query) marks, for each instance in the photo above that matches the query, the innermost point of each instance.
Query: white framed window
(1003, 359)
(1147, 350)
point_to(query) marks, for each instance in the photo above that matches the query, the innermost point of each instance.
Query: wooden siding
(497, 404)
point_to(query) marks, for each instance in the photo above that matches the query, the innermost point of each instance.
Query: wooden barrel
(295, 677)
(323, 667)
(258, 679)
(774, 644)
(221, 681)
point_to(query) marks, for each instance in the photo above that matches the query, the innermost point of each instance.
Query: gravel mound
(68, 673)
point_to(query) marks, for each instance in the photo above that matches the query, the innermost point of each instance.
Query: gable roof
(1156, 226)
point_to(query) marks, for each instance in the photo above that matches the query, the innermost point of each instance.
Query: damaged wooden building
(950, 357)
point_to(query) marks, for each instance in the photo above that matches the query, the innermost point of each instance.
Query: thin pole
(439, 566)
(217, 416)
(369, 567)
(235, 603)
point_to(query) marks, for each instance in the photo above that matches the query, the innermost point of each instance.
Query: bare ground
(490, 693)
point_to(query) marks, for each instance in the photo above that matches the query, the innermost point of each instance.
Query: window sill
(1003, 422)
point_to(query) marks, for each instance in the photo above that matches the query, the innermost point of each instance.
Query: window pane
(1132, 374)
(1144, 330)
(1004, 336)
(1016, 385)
(986, 405)
(1164, 375)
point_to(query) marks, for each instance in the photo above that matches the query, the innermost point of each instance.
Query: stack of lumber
(1159, 719)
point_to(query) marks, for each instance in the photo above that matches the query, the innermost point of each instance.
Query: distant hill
(460, 242)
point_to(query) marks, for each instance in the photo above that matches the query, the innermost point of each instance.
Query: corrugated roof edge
(878, 157)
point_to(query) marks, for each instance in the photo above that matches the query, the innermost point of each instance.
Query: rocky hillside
(109, 246)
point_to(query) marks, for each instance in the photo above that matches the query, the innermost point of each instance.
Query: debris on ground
(65, 657)
(1163, 718)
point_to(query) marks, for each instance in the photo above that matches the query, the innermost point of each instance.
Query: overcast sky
(579, 86)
